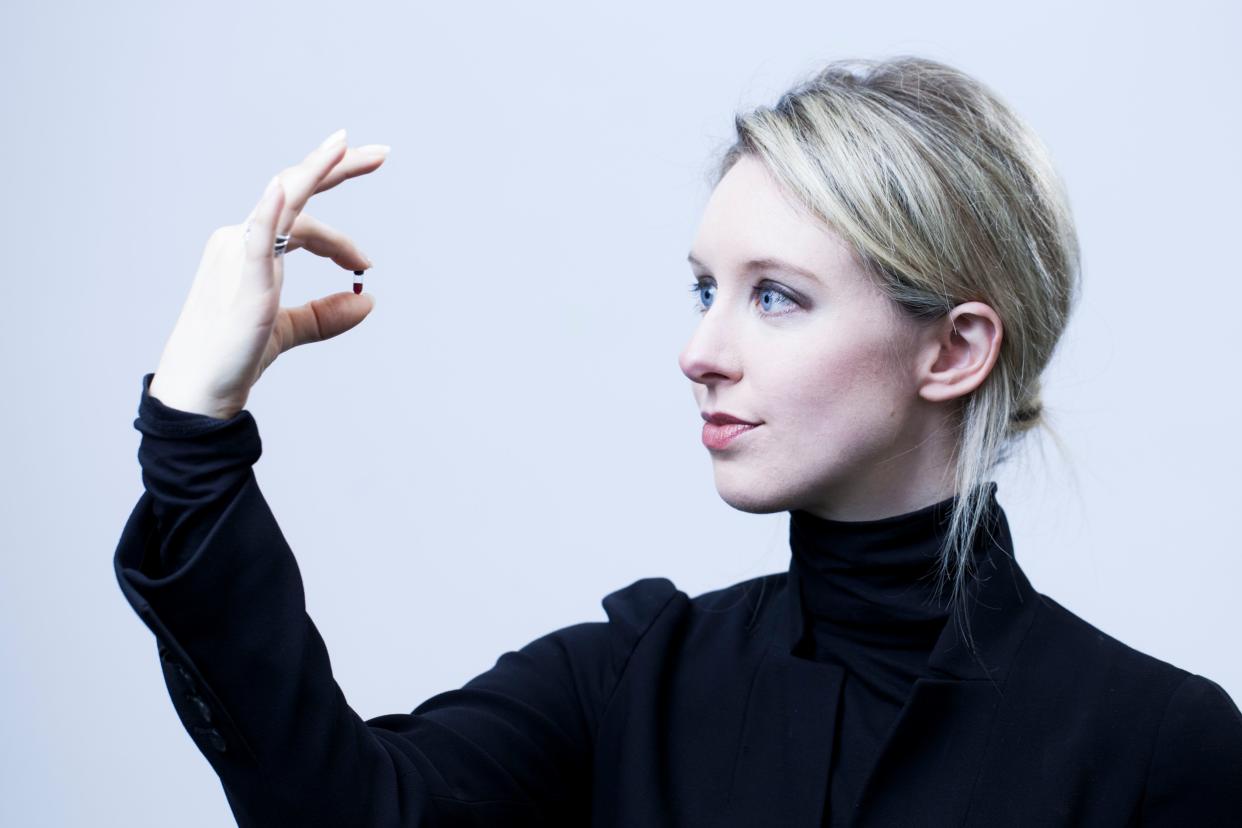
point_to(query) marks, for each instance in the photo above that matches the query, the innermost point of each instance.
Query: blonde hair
(945, 196)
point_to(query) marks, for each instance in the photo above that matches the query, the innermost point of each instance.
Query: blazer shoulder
(1076, 642)
(744, 599)
(1197, 762)
(736, 616)
(633, 609)
(638, 603)
(657, 602)
(1184, 728)
(1076, 648)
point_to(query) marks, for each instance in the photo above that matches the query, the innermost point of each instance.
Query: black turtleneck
(872, 608)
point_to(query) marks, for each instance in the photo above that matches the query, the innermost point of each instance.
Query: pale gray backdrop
(508, 437)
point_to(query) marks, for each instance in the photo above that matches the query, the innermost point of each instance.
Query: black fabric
(837, 692)
(191, 464)
(876, 607)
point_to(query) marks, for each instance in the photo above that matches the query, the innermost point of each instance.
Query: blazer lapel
(924, 772)
(781, 769)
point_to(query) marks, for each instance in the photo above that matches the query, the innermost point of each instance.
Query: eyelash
(697, 286)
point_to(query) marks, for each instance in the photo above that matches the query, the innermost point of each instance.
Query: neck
(914, 473)
(879, 498)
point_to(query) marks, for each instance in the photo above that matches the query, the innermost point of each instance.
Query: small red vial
(357, 281)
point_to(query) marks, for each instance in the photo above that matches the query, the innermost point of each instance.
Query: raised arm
(203, 562)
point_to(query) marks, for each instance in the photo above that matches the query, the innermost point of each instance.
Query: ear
(959, 352)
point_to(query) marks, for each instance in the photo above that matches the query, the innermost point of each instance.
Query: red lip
(721, 418)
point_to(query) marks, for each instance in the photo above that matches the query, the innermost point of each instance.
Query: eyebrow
(766, 263)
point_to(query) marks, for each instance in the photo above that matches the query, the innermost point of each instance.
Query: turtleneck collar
(875, 581)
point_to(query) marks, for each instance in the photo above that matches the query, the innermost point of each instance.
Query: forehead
(750, 217)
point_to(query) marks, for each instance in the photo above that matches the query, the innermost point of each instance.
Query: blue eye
(779, 297)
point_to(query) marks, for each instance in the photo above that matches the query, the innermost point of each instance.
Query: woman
(884, 268)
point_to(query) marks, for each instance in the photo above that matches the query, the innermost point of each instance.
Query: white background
(508, 437)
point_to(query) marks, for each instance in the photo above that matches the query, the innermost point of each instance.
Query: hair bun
(1026, 413)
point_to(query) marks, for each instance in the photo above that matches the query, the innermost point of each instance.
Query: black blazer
(675, 711)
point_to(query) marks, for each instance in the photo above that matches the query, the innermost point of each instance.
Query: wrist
(188, 402)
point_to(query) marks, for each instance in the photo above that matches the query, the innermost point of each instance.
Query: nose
(709, 357)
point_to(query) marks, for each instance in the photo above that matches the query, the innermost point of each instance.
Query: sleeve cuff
(187, 457)
(192, 466)
(161, 420)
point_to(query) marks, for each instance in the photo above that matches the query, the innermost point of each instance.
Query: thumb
(326, 317)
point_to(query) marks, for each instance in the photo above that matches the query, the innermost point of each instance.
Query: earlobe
(964, 347)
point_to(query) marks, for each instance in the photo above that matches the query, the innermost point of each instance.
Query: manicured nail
(334, 138)
(375, 149)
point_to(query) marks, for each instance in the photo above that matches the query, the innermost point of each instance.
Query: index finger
(302, 180)
(357, 161)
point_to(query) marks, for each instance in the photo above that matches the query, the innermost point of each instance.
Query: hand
(232, 326)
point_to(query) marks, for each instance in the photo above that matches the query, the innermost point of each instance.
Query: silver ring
(281, 243)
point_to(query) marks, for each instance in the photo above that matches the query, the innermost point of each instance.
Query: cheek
(845, 394)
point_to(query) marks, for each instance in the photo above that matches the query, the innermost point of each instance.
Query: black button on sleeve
(212, 737)
(203, 708)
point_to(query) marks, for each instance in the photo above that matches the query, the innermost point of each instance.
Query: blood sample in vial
(357, 281)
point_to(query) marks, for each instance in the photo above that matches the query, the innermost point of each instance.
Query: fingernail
(334, 138)
(271, 186)
(374, 149)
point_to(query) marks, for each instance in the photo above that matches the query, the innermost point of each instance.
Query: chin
(756, 497)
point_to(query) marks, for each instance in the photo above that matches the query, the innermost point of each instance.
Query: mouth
(721, 418)
(720, 435)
